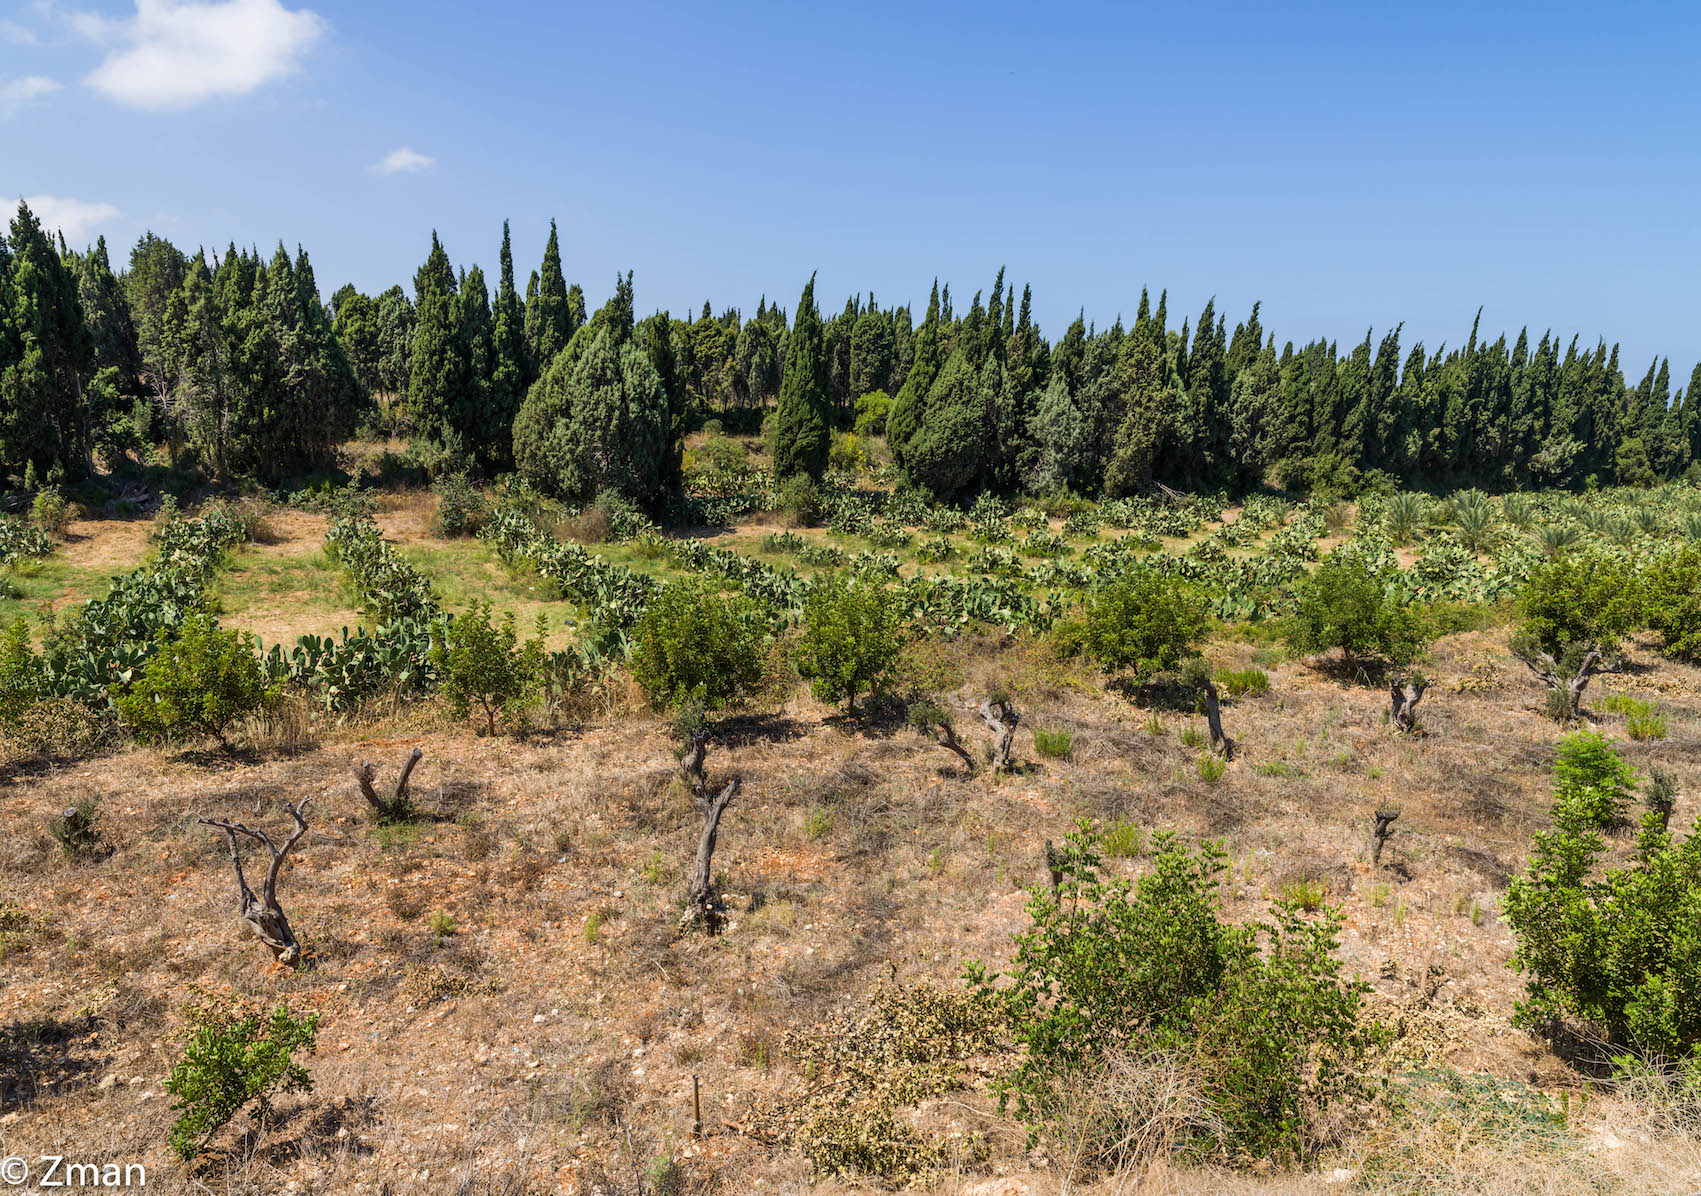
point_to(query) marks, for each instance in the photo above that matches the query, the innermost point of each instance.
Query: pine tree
(1060, 439)
(801, 424)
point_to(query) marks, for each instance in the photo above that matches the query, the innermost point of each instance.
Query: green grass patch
(55, 581)
(1053, 745)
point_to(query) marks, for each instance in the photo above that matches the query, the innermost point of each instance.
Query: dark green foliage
(549, 316)
(852, 632)
(236, 1058)
(801, 428)
(1619, 947)
(441, 370)
(22, 679)
(201, 679)
(599, 419)
(486, 666)
(947, 454)
(1344, 605)
(45, 351)
(1109, 966)
(695, 644)
(1670, 600)
(1146, 625)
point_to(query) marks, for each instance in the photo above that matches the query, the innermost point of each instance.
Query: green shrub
(236, 1058)
(442, 923)
(51, 511)
(1053, 745)
(851, 638)
(1146, 625)
(1578, 600)
(1304, 893)
(1123, 839)
(1192, 736)
(486, 666)
(846, 453)
(1211, 767)
(1238, 683)
(871, 411)
(21, 673)
(694, 644)
(801, 501)
(1671, 602)
(1619, 948)
(198, 683)
(1112, 966)
(1344, 605)
(1645, 726)
(461, 507)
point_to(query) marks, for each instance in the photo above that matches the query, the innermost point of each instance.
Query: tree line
(234, 364)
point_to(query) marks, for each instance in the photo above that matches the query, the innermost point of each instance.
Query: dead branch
(936, 724)
(262, 916)
(1403, 697)
(1001, 719)
(1221, 744)
(1383, 831)
(396, 807)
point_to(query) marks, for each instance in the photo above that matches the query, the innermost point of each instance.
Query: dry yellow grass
(521, 1050)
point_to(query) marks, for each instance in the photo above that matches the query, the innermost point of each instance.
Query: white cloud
(176, 54)
(403, 161)
(18, 94)
(76, 218)
(18, 35)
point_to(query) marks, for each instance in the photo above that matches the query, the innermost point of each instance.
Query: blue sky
(1352, 165)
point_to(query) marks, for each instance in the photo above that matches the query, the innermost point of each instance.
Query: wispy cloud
(76, 218)
(173, 54)
(18, 94)
(18, 35)
(403, 161)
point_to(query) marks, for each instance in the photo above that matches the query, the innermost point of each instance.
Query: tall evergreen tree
(440, 368)
(43, 419)
(507, 386)
(549, 319)
(801, 424)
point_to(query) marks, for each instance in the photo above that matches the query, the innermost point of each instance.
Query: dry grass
(520, 1052)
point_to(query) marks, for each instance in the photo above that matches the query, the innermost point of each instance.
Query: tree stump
(1383, 831)
(395, 808)
(1001, 719)
(262, 916)
(1403, 696)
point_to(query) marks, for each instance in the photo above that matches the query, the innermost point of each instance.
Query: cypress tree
(440, 370)
(801, 425)
(507, 388)
(549, 323)
(947, 454)
(905, 415)
(474, 422)
(1060, 441)
(395, 342)
(43, 420)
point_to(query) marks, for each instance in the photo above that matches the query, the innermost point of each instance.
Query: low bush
(1239, 683)
(851, 638)
(199, 681)
(486, 666)
(237, 1058)
(1116, 966)
(1054, 745)
(1146, 625)
(1618, 949)
(461, 507)
(694, 644)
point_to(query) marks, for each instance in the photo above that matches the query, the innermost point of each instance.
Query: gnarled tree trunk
(1221, 744)
(1380, 834)
(1001, 719)
(262, 916)
(396, 806)
(1403, 697)
(700, 906)
(1546, 668)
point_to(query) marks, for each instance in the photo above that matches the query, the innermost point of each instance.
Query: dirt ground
(558, 1024)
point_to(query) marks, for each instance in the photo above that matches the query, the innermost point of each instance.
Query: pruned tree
(1381, 833)
(1566, 676)
(396, 807)
(262, 916)
(1001, 719)
(1221, 744)
(700, 907)
(934, 721)
(1404, 693)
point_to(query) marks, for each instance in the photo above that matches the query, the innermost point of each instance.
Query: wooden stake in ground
(1383, 831)
(1001, 719)
(1403, 696)
(396, 807)
(262, 916)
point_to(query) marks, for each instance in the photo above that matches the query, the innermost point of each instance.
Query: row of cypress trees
(239, 360)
